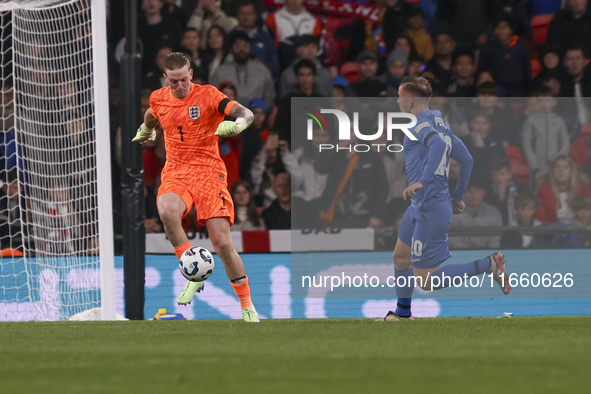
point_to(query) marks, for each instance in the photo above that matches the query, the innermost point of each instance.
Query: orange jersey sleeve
(189, 125)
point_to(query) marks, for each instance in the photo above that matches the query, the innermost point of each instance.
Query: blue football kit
(426, 222)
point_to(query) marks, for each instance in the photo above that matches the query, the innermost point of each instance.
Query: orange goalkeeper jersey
(189, 125)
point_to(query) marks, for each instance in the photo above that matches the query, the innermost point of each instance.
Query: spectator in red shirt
(557, 194)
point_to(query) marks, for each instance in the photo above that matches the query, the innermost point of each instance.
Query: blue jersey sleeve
(423, 131)
(460, 154)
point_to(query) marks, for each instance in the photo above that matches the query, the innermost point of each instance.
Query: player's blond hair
(176, 60)
(418, 87)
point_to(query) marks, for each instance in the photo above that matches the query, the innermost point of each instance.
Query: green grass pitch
(455, 355)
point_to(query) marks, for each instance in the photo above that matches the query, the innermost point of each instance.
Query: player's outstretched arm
(244, 118)
(147, 131)
(460, 154)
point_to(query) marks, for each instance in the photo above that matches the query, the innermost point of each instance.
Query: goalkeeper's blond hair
(176, 60)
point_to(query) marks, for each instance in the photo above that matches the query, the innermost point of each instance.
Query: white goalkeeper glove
(144, 134)
(230, 129)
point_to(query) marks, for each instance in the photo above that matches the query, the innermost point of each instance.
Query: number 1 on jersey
(180, 128)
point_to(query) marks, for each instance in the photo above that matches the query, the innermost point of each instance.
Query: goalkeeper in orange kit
(194, 173)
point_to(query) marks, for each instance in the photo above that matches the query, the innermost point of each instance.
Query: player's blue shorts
(426, 234)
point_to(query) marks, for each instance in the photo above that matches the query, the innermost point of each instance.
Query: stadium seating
(540, 25)
(350, 71)
(336, 45)
(519, 168)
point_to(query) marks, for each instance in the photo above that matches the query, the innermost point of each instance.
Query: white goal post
(55, 205)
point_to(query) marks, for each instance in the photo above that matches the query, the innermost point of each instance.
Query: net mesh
(49, 229)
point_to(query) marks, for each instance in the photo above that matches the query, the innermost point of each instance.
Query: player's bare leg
(425, 276)
(437, 277)
(219, 234)
(171, 208)
(402, 268)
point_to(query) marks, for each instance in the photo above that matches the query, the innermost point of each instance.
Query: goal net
(50, 170)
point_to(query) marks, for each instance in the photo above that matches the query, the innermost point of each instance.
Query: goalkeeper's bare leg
(219, 234)
(171, 209)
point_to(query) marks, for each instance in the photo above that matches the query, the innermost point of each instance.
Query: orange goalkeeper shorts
(208, 193)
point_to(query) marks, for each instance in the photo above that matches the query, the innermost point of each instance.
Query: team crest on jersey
(194, 112)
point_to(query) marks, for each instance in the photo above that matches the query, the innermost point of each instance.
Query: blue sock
(404, 293)
(446, 274)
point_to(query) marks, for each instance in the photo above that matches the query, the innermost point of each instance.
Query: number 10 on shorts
(417, 247)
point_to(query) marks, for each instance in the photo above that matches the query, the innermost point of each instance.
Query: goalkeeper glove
(230, 129)
(144, 134)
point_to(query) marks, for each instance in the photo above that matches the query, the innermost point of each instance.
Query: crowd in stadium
(510, 76)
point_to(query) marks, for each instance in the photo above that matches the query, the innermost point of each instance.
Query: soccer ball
(196, 264)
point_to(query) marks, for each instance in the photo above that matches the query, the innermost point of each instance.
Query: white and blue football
(196, 264)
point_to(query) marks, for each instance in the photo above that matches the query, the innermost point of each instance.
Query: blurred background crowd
(510, 76)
